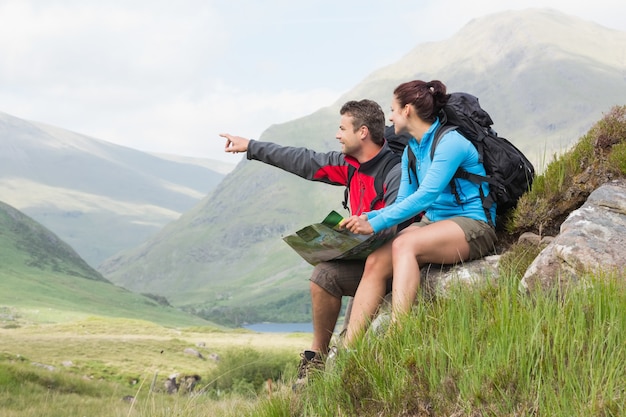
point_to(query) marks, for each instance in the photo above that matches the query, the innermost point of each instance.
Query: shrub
(567, 181)
(246, 371)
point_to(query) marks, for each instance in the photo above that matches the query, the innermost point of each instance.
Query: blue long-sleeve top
(428, 188)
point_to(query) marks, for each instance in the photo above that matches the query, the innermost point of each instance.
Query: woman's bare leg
(371, 291)
(441, 242)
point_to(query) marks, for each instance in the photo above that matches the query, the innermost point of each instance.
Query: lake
(280, 327)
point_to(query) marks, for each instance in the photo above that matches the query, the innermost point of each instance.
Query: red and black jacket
(334, 168)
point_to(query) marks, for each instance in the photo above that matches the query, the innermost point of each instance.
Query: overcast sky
(169, 76)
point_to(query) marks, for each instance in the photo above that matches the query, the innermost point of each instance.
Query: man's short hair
(367, 113)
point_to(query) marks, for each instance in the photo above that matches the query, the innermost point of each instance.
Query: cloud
(191, 126)
(169, 76)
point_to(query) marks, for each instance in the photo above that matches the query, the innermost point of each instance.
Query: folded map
(327, 241)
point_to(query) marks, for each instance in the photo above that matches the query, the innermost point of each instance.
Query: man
(363, 147)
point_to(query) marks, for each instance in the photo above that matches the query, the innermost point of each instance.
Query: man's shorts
(480, 235)
(339, 278)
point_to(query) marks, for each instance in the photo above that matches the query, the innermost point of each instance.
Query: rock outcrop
(592, 240)
(436, 280)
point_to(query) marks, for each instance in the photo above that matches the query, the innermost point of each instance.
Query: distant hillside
(545, 78)
(25, 243)
(99, 197)
(43, 278)
(217, 166)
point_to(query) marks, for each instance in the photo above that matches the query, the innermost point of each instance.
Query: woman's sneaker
(310, 361)
(332, 357)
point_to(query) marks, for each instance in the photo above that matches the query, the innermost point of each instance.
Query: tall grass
(488, 351)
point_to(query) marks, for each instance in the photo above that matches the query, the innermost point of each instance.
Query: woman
(451, 230)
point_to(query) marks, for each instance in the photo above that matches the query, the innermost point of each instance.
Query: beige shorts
(480, 235)
(340, 278)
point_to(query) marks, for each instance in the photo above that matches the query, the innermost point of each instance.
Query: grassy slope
(484, 351)
(43, 280)
(36, 296)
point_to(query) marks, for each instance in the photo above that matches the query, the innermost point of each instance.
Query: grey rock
(438, 279)
(592, 239)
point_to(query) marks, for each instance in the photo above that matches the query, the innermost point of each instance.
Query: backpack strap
(487, 200)
(346, 192)
(412, 166)
(379, 180)
(441, 130)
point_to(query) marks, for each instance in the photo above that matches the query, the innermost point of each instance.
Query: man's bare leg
(326, 308)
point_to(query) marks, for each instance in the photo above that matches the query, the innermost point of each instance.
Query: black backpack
(397, 143)
(509, 173)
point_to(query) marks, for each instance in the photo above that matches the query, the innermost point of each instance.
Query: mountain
(99, 197)
(43, 279)
(211, 164)
(545, 78)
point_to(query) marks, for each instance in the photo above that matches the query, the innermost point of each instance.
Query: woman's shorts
(480, 236)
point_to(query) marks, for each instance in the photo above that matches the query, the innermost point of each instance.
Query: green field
(88, 367)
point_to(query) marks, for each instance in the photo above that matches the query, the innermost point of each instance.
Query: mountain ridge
(99, 197)
(510, 45)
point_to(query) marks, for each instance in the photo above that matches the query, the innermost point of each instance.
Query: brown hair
(367, 113)
(428, 98)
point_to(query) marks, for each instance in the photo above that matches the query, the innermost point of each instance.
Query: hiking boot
(310, 361)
